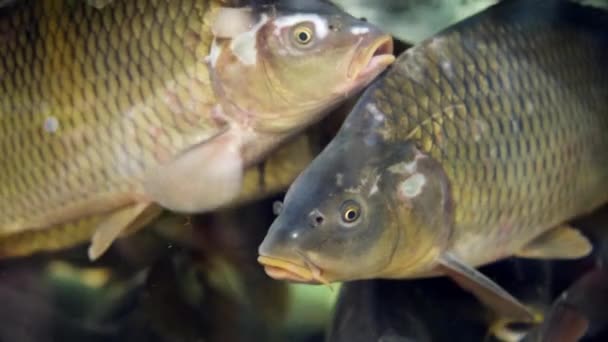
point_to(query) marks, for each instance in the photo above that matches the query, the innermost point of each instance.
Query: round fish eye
(351, 211)
(303, 35)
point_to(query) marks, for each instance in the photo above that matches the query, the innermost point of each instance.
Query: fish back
(516, 111)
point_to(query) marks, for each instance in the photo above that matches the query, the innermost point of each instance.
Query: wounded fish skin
(474, 143)
(107, 109)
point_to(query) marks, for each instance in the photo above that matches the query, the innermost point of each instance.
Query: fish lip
(283, 269)
(378, 56)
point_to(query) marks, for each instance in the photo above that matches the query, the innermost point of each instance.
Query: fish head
(363, 209)
(295, 61)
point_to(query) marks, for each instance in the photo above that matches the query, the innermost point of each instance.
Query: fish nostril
(316, 218)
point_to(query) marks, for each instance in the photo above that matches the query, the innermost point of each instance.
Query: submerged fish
(109, 113)
(476, 145)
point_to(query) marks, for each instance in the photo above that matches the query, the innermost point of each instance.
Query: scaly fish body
(475, 146)
(110, 113)
(92, 98)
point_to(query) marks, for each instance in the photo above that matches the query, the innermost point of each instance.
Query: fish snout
(285, 239)
(282, 257)
(376, 53)
(280, 242)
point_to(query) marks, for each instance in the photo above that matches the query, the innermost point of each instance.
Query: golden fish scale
(518, 120)
(273, 175)
(91, 99)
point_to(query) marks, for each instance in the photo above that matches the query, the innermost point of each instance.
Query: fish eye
(351, 211)
(303, 35)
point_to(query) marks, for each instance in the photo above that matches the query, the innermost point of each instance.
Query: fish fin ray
(486, 290)
(112, 227)
(151, 213)
(563, 242)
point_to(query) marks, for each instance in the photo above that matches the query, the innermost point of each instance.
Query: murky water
(197, 279)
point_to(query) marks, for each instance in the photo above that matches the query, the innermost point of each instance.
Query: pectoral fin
(487, 291)
(111, 228)
(203, 178)
(563, 242)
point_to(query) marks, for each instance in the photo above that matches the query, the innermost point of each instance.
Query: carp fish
(477, 144)
(111, 111)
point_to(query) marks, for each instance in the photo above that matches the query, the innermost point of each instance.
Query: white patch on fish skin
(244, 46)
(230, 21)
(515, 125)
(437, 43)
(361, 185)
(356, 190)
(130, 114)
(51, 124)
(214, 54)
(321, 25)
(412, 186)
(364, 185)
(339, 179)
(359, 30)
(479, 128)
(447, 69)
(125, 165)
(410, 65)
(375, 188)
(411, 166)
(412, 59)
(295, 235)
(529, 107)
(407, 168)
(373, 109)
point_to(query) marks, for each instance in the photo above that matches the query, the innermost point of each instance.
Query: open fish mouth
(373, 60)
(280, 269)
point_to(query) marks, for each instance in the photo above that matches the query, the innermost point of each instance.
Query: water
(201, 281)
